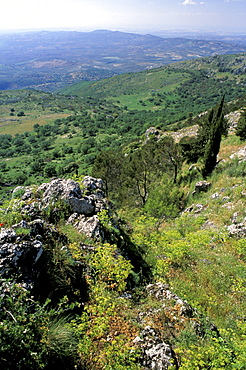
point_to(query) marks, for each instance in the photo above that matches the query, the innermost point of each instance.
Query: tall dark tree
(218, 127)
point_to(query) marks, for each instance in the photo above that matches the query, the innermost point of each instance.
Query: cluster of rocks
(237, 229)
(155, 353)
(22, 245)
(233, 118)
(162, 292)
(83, 205)
(20, 253)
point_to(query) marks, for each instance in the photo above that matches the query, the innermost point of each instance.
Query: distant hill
(51, 60)
(188, 86)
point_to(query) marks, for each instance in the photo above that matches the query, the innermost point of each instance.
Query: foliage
(216, 130)
(151, 242)
(110, 268)
(32, 336)
(164, 200)
(101, 346)
(10, 214)
(108, 167)
(241, 126)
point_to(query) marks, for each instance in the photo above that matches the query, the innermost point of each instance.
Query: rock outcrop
(156, 355)
(20, 253)
(81, 205)
(237, 230)
(162, 292)
(166, 319)
(22, 245)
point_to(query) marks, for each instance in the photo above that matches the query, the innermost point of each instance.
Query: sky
(130, 15)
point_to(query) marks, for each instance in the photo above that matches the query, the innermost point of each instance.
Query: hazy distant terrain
(51, 60)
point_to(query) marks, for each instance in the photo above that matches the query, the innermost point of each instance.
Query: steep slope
(106, 313)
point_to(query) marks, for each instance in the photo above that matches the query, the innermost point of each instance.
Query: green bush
(32, 337)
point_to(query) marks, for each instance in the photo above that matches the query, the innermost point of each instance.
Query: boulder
(59, 189)
(86, 201)
(84, 206)
(90, 226)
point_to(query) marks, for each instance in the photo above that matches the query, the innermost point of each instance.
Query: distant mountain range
(51, 60)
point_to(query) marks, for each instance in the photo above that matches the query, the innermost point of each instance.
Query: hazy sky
(146, 15)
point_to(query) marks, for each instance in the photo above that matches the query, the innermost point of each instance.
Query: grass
(18, 125)
(230, 145)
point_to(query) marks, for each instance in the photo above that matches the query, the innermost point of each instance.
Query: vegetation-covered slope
(101, 312)
(190, 85)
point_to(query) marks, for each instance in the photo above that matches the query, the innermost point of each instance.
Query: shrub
(31, 338)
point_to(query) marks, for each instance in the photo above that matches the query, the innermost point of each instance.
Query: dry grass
(18, 125)
(229, 146)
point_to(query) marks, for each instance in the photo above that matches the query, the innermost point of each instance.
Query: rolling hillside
(190, 86)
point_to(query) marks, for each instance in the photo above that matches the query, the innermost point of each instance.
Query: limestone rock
(85, 206)
(241, 154)
(233, 118)
(237, 230)
(95, 186)
(87, 201)
(59, 188)
(196, 208)
(228, 205)
(156, 354)
(208, 225)
(215, 195)
(152, 131)
(84, 203)
(91, 226)
(162, 292)
(18, 255)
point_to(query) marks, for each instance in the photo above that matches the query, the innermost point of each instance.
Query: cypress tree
(218, 128)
